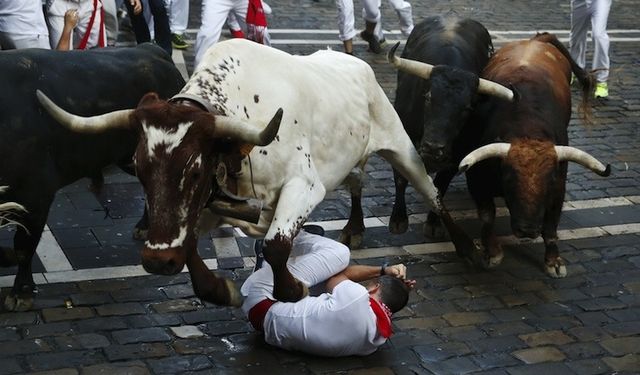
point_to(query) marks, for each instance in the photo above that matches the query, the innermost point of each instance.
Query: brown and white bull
(212, 137)
(524, 147)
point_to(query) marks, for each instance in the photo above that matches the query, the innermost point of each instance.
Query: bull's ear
(148, 99)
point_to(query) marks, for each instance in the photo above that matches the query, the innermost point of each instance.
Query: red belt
(258, 312)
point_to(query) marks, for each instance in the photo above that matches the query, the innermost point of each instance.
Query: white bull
(333, 116)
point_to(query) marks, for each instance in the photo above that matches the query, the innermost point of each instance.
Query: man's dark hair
(393, 292)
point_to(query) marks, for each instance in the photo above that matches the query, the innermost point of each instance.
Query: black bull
(38, 156)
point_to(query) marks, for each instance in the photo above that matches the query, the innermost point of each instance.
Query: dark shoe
(257, 249)
(374, 44)
(178, 42)
(313, 229)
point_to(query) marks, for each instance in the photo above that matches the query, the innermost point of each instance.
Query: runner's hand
(137, 6)
(397, 270)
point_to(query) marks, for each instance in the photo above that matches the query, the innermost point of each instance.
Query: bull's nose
(161, 267)
(526, 232)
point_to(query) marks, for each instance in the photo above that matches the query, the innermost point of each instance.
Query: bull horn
(567, 153)
(417, 68)
(89, 125)
(495, 89)
(492, 150)
(235, 129)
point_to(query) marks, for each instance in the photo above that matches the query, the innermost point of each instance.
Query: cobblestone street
(98, 312)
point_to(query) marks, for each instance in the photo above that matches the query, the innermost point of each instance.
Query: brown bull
(525, 150)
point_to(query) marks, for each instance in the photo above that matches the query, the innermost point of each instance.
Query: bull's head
(530, 169)
(174, 160)
(448, 104)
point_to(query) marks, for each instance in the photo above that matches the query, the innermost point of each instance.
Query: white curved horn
(417, 68)
(568, 153)
(241, 130)
(90, 125)
(492, 150)
(495, 89)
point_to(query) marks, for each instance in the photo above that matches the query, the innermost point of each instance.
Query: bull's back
(82, 82)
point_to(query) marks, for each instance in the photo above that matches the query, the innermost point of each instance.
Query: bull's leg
(25, 243)
(352, 232)
(406, 160)
(433, 225)
(493, 253)
(208, 287)
(399, 221)
(298, 198)
(554, 264)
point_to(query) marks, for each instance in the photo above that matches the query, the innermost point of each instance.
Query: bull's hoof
(556, 268)
(140, 234)
(18, 303)
(292, 295)
(481, 258)
(353, 241)
(398, 226)
(433, 230)
(235, 298)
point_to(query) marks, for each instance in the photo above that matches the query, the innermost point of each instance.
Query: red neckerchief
(85, 38)
(383, 317)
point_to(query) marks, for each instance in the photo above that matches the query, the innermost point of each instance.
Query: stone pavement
(97, 312)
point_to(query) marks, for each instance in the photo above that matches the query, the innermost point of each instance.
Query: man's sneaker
(374, 44)
(178, 42)
(383, 43)
(313, 229)
(237, 34)
(257, 249)
(602, 90)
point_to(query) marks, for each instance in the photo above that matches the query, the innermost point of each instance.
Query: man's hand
(137, 6)
(397, 270)
(71, 19)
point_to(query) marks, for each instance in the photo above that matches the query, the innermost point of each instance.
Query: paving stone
(582, 350)
(200, 345)
(10, 366)
(131, 336)
(138, 294)
(596, 318)
(624, 329)
(497, 344)
(621, 346)
(107, 285)
(465, 333)
(410, 338)
(178, 291)
(488, 361)
(589, 333)
(17, 318)
(480, 303)
(540, 368)
(561, 295)
(588, 367)
(152, 320)
(120, 309)
(82, 341)
(629, 362)
(506, 329)
(50, 361)
(177, 305)
(545, 338)
(99, 324)
(460, 365)
(513, 314)
(30, 346)
(372, 371)
(441, 351)
(552, 323)
(227, 327)
(539, 354)
(174, 365)
(626, 315)
(62, 371)
(117, 368)
(419, 323)
(9, 334)
(63, 313)
(91, 298)
(521, 299)
(206, 315)
(136, 351)
(47, 329)
(468, 318)
(597, 304)
(390, 357)
(185, 332)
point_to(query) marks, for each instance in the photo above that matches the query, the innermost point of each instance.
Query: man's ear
(373, 287)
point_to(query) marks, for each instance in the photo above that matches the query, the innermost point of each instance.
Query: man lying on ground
(347, 319)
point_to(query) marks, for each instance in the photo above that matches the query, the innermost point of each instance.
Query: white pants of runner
(55, 16)
(312, 265)
(178, 11)
(596, 13)
(346, 16)
(214, 16)
(111, 21)
(30, 40)
(405, 16)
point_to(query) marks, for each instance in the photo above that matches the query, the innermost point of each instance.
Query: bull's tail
(587, 80)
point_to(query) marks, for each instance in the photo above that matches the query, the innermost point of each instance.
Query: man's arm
(358, 273)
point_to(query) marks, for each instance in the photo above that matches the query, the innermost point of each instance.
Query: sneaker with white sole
(178, 41)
